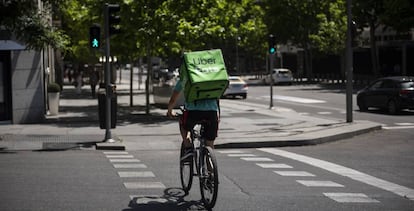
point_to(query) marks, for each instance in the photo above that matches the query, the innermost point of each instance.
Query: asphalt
(242, 125)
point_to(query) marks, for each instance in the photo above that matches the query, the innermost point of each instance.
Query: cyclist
(201, 110)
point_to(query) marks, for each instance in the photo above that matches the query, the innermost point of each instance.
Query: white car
(280, 76)
(237, 87)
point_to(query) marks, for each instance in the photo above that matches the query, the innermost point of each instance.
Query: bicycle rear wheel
(209, 180)
(186, 170)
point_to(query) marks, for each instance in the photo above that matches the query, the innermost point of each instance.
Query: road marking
(143, 185)
(136, 174)
(350, 197)
(324, 112)
(241, 155)
(152, 199)
(318, 183)
(115, 153)
(124, 160)
(229, 151)
(404, 124)
(119, 156)
(295, 99)
(397, 127)
(294, 173)
(256, 159)
(274, 165)
(131, 166)
(347, 172)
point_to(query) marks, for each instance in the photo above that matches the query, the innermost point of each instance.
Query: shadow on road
(172, 200)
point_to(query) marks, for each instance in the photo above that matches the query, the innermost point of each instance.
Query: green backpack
(203, 75)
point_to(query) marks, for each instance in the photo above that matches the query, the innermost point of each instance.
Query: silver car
(237, 87)
(280, 76)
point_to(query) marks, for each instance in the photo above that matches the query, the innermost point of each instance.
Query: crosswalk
(141, 183)
(136, 177)
(310, 179)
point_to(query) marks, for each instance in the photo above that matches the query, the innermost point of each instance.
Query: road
(327, 101)
(374, 171)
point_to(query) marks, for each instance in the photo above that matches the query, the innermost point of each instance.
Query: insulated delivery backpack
(203, 75)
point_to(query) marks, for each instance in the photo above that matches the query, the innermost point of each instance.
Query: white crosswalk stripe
(318, 183)
(274, 165)
(119, 156)
(143, 185)
(241, 155)
(350, 198)
(136, 174)
(130, 166)
(294, 173)
(124, 160)
(256, 159)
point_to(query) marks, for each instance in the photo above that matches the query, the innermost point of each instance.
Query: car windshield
(407, 84)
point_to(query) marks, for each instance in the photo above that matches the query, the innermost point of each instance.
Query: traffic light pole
(271, 51)
(349, 64)
(271, 57)
(108, 87)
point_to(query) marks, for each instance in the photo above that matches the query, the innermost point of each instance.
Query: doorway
(5, 86)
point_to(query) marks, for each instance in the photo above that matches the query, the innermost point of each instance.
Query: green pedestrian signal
(272, 44)
(95, 43)
(95, 36)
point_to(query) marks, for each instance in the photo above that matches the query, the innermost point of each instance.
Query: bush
(53, 87)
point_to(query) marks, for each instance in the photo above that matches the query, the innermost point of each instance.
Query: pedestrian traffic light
(272, 44)
(95, 36)
(113, 18)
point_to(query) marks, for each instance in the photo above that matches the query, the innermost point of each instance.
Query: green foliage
(316, 24)
(24, 20)
(53, 87)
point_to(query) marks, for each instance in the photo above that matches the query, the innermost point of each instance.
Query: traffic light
(95, 36)
(113, 18)
(272, 44)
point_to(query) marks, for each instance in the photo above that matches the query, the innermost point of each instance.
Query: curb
(334, 136)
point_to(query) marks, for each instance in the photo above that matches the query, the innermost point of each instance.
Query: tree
(312, 25)
(22, 17)
(397, 14)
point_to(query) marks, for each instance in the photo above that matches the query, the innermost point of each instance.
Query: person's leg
(185, 133)
(186, 136)
(210, 144)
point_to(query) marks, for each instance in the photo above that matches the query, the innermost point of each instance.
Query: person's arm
(171, 103)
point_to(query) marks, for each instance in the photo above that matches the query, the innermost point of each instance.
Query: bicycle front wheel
(209, 179)
(186, 170)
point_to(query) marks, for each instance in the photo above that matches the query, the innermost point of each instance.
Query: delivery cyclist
(205, 109)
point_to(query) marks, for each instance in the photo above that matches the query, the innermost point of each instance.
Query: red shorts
(210, 119)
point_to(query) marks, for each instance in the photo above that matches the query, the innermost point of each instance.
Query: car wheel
(392, 107)
(244, 96)
(362, 106)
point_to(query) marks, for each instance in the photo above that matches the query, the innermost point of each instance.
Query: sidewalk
(242, 124)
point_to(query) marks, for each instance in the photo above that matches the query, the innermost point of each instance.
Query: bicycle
(203, 159)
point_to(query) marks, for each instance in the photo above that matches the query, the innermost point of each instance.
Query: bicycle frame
(197, 136)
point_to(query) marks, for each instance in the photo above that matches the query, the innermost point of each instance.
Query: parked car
(390, 93)
(280, 76)
(237, 87)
